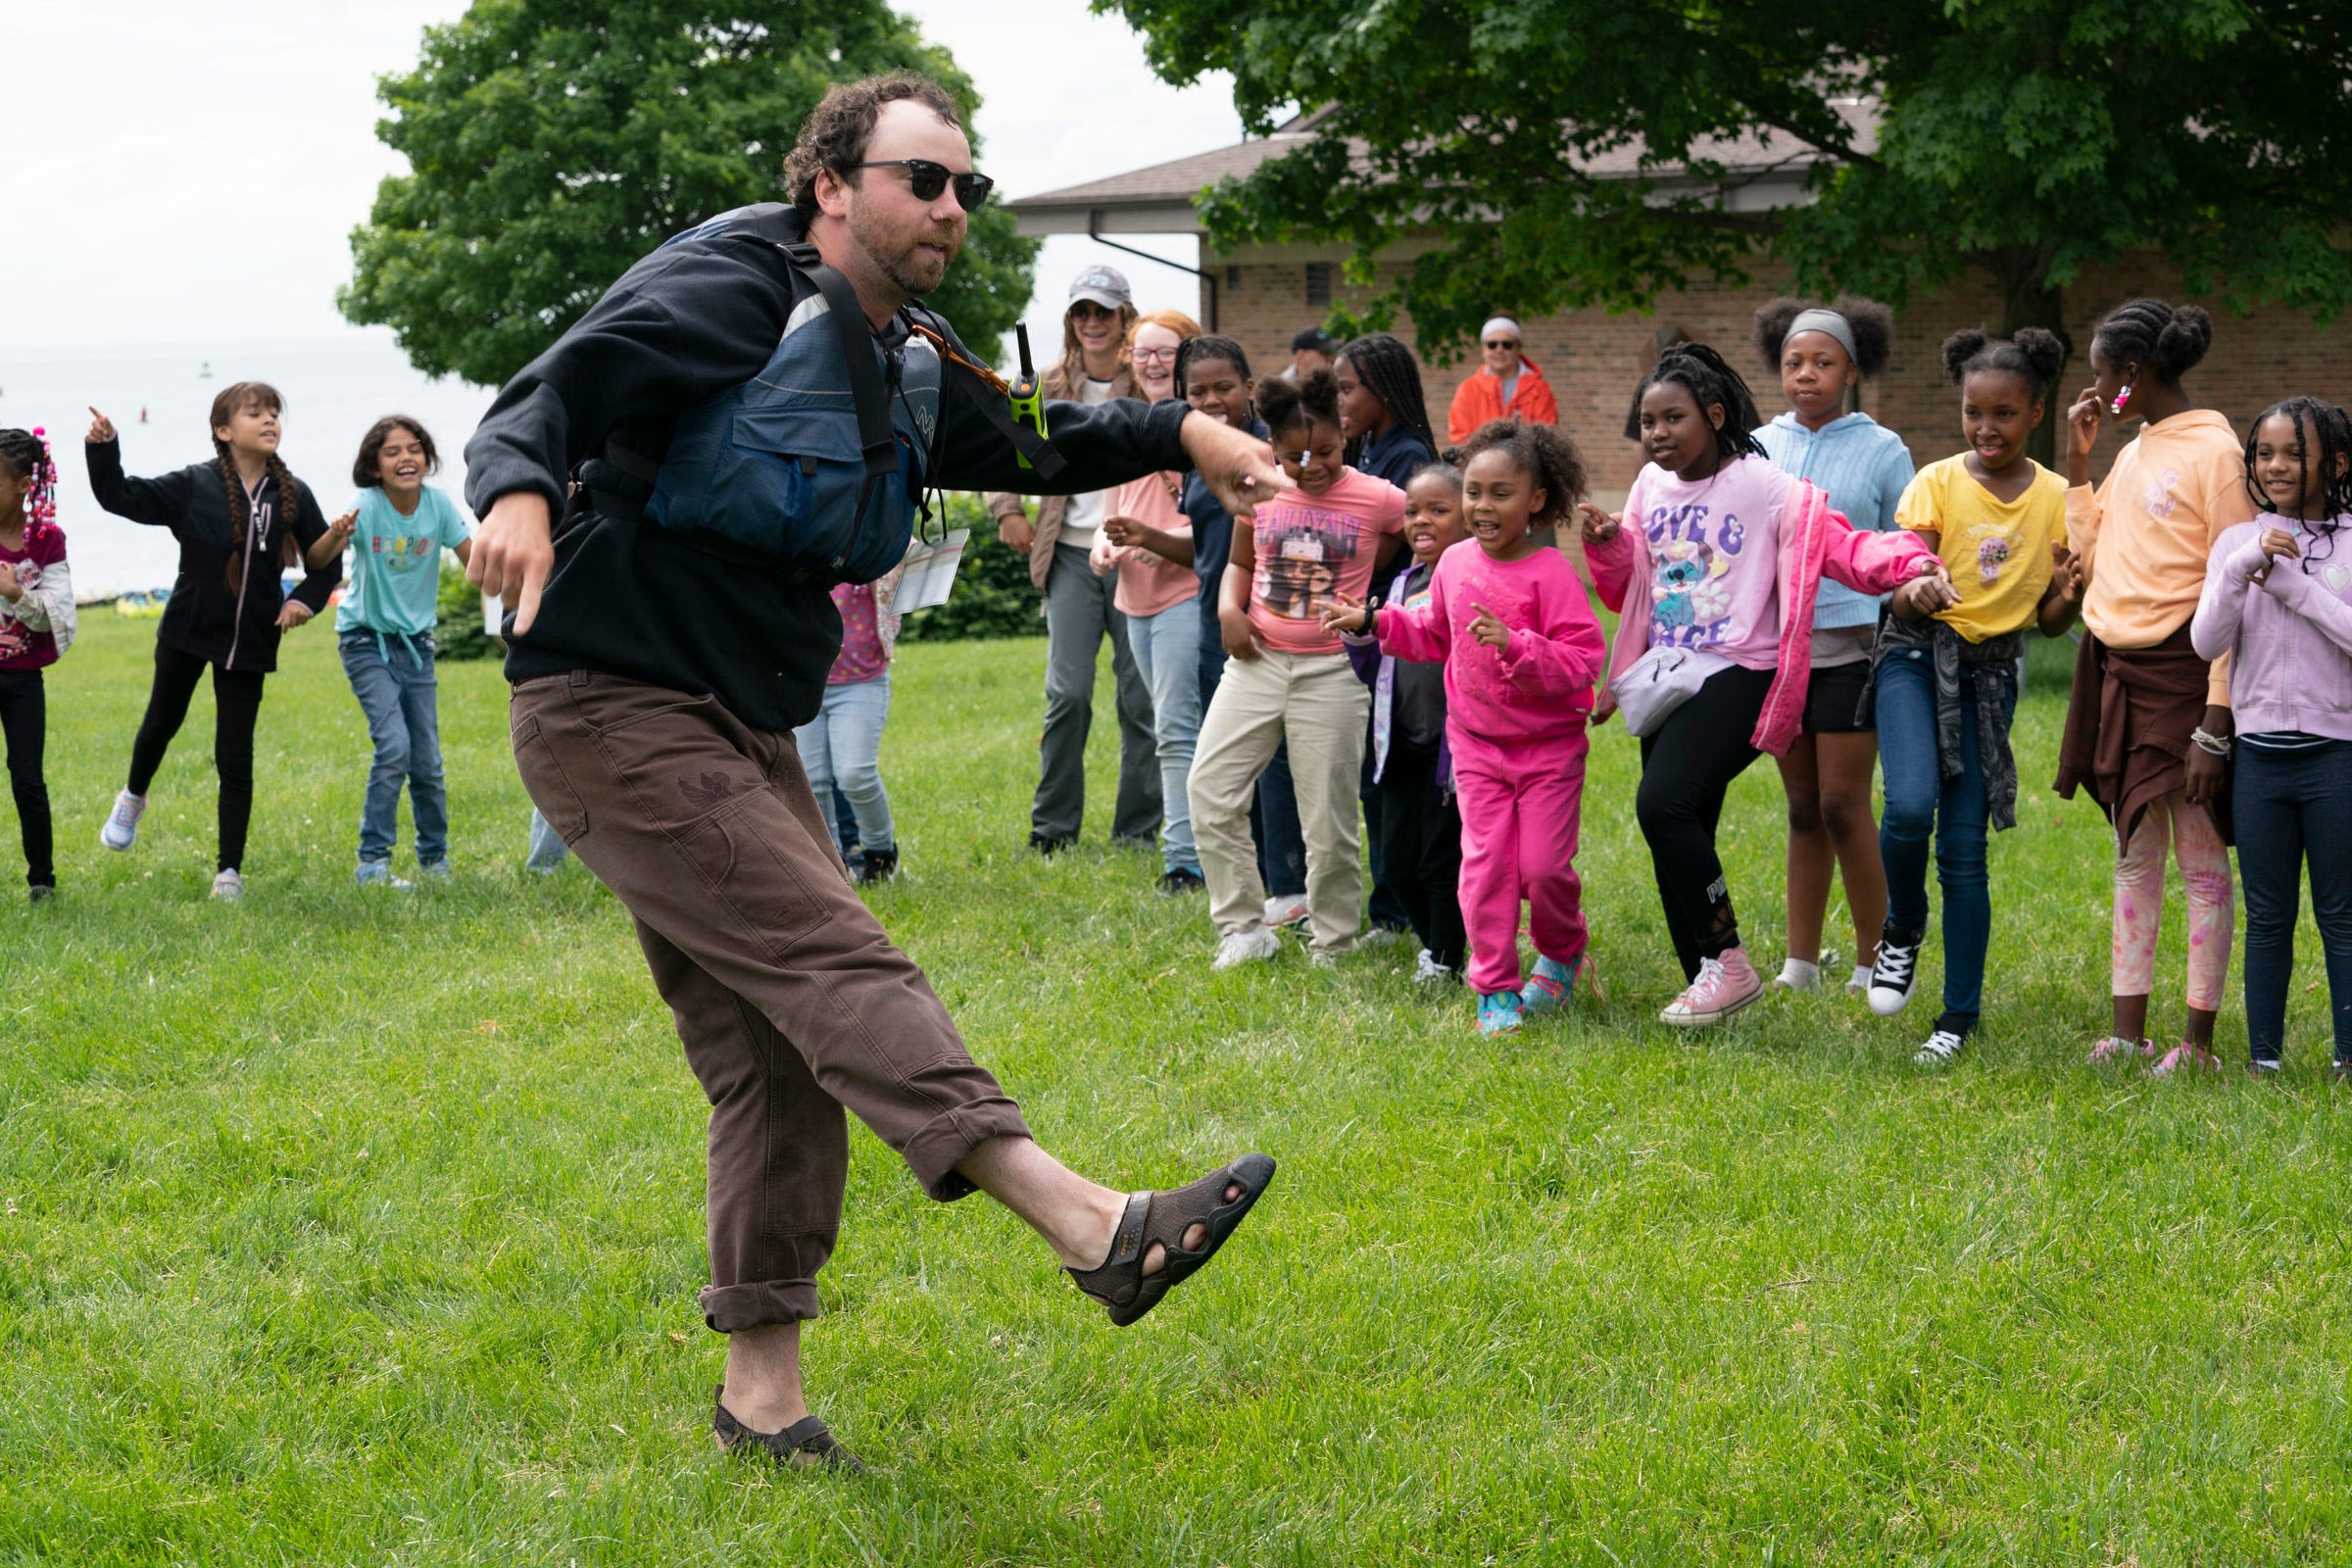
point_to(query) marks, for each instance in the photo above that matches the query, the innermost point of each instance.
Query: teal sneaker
(1548, 989)
(1499, 1014)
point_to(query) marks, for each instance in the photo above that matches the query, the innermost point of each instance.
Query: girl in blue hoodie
(1822, 353)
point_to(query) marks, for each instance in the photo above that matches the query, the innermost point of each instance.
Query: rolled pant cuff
(941, 1144)
(729, 1308)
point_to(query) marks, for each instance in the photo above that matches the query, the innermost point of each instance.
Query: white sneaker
(229, 887)
(1941, 1046)
(1895, 975)
(1256, 944)
(1379, 936)
(1428, 972)
(1859, 981)
(122, 828)
(1286, 909)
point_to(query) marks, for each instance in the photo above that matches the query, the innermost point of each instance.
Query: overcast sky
(174, 180)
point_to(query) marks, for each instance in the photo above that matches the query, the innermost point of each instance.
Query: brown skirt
(2128, 728)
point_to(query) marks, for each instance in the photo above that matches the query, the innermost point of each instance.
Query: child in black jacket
(240, 520)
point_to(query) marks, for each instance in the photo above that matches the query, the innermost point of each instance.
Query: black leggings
(23, 722)
(1420, 850)
(1687, 766)
(236, 706)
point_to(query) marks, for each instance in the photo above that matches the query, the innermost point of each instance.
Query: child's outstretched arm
(310, 531)
(1561, 657)
(1424, 633)
(156, 503)
(1609, 553)
(1874, 562)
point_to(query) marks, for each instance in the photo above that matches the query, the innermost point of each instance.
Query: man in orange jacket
(1508, 383)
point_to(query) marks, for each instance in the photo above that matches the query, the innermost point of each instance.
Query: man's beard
(904, 268)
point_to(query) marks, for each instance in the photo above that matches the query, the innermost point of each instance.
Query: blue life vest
(773, 473)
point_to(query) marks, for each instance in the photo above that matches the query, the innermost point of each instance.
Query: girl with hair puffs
(1821, 354)
(1731, 552)
(36, 627)
(1511, 624)
(1945, 669)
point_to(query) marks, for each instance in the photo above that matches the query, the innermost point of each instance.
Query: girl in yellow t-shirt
(1946, 669)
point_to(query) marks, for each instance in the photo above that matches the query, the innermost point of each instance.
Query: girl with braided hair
(1732, 552)
(1510, 621)
(2148, 731)
(240, 521)
(37, 626)
(2278, 602)
(1820, 354)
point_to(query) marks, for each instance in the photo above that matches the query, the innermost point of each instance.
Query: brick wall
(1593, 360)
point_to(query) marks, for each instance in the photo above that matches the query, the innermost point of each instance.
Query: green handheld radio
(1028, 403)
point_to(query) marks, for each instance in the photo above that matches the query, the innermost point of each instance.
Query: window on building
(1319, 282)
(1233, 278)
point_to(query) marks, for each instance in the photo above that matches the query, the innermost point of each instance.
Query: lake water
(334, 391)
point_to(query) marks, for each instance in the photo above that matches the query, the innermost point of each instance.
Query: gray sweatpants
(1078, 613)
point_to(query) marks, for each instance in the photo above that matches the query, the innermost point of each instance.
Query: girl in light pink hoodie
(1733, 551)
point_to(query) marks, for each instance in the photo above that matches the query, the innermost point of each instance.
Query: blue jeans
(1166, 648)
(842, 747)
(1919, 800)
(398, 695)
(547, 849)
(2289, 810)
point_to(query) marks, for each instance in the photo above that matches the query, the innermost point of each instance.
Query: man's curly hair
(837, 129)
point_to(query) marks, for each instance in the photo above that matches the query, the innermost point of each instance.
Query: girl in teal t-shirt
(396, 532)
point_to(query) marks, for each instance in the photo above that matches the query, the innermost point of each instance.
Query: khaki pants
(791, 1001)
(1317, 703)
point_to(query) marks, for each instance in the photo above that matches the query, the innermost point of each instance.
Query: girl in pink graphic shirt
(1509, 619)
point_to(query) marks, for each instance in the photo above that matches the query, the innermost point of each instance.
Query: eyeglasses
(927, 179)
(1154, 355)
(1502, 343)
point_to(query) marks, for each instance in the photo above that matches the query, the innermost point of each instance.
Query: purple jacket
(2289, 635)
(1378, 670)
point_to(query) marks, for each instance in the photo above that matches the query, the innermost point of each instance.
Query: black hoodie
(694, 318)
(216, 613)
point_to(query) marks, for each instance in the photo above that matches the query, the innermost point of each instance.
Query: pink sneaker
(1724, 986)
(2183, 1056)
(2115, 1049)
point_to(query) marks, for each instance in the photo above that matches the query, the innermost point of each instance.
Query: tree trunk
(2028, 300)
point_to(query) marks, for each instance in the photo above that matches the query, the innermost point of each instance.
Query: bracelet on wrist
(2210, 744)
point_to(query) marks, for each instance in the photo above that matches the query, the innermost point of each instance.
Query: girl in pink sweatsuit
(1510, 621)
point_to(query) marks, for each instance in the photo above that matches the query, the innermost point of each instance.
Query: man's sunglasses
(927, 179)
(1502, 343)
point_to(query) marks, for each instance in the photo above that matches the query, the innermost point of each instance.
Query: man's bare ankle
(764, 1409)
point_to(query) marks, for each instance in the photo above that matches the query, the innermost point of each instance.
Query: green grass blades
(350, 1226)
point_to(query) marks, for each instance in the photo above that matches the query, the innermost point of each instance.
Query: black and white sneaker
(1896, 973)
(1941, 1046)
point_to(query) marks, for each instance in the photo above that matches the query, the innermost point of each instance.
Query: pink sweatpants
(2139, 901)
(1521, 808)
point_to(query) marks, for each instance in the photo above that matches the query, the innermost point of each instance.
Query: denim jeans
(842, 747)
(1921, 800)
(547, 849)
(397, 692)
(1166, 648)
(2290, 808)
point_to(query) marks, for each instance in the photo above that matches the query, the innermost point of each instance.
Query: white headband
(1828, 321)
(1504, 322)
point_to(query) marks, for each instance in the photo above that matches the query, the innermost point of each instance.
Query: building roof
(1158, 198)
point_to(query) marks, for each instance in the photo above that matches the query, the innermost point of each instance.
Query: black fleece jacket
(696, 318)
(216, 613)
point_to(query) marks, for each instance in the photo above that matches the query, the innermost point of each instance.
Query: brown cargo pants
(792, 1002)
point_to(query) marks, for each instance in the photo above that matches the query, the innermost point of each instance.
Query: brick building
(1261, 294)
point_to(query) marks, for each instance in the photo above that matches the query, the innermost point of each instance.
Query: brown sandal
(1119, 1282)
(806, 1444)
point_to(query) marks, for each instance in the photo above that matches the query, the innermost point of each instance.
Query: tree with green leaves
(1566, 151)
(551, 143)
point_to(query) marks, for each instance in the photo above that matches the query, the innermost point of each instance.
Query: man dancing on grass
(730, 464)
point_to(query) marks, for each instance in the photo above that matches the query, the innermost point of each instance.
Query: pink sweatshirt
(1148, 583)
(1811, 541)
(1540, 686)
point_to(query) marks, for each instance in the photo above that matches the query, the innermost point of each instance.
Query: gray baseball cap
(1107, 286)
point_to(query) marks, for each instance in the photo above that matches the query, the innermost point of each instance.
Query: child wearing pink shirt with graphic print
(1521, 646)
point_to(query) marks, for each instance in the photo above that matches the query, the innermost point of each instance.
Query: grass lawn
(348, 1227)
